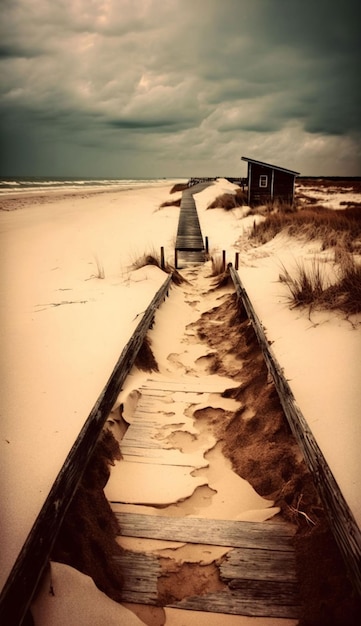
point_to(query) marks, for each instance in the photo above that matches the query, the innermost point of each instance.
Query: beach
(71, 299)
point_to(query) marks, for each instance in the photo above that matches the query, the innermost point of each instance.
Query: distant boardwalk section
(189, 247)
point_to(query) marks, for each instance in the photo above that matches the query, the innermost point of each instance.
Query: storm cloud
(179, 87)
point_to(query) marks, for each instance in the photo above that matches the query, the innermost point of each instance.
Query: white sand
(56, 359)
(320, 356)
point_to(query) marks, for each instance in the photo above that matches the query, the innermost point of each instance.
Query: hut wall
(256, 194)
(283, 186)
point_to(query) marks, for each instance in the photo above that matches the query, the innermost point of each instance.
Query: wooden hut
(266, 183)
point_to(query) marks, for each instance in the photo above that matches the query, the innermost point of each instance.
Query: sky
(179, 88)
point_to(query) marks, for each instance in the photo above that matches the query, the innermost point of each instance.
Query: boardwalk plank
(256, 535)
(189, 234)
(264, 600)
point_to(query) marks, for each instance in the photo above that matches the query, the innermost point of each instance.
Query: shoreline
(37, 196)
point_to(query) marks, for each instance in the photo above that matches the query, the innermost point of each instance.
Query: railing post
(236, 261)
(162, 264)
(224, 260)
(206, 245)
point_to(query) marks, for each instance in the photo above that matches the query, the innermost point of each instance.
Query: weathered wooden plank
(27, 571)
(263, 600)
(164, 456)
(342, 522)
(189, 234)
(246, 564)
(190, 386)
(256, 535)
(141, 573)
(241, 596)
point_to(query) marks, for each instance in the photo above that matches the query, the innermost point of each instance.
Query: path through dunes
(196, 535)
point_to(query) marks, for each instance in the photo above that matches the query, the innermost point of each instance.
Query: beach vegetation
(153, 258)
(229, 201)
(330, 226)
(309, 286)
(219, 273)
(217, 265)
(100, 273)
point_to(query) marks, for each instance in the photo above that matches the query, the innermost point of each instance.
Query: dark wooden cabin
(267, 183)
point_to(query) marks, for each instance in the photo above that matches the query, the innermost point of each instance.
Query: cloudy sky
(179, 88)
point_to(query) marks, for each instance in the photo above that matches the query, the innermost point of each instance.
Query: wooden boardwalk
(189, 241)
(256, 574)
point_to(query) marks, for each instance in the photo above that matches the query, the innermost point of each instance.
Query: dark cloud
(203, 79)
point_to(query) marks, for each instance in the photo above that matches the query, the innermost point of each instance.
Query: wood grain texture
(253, 535)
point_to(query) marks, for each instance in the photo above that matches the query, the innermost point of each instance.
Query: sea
(36, 184)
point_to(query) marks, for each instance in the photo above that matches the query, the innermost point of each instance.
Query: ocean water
(26, 184)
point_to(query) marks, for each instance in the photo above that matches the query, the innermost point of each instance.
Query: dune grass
(308, 286)
(100, 273)
(229, 201)
(316, 222)
(153, 258)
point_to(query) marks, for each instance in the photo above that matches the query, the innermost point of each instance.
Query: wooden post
(236, 261)
(207, 245)
(162, 264)
(176, 258)
(224, 260)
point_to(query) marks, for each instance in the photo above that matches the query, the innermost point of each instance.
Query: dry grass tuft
(310, 287)
(221, 275)
(153, 258)
(229, 201)
(217, 266)
(345, 294)
(100, 273)
(307, 286)
(312, 223)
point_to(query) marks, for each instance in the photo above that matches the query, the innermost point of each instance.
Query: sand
(63, 328)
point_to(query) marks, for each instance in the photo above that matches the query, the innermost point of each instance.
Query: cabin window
(263, 180)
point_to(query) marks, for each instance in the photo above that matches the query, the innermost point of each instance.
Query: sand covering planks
(257, 575)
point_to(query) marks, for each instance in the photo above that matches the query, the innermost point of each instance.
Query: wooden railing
(342, 522)
(23, 580)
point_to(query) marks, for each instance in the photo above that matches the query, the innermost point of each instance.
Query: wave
(18, 185)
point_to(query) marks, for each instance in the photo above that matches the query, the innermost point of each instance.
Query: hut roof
(274, 167)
